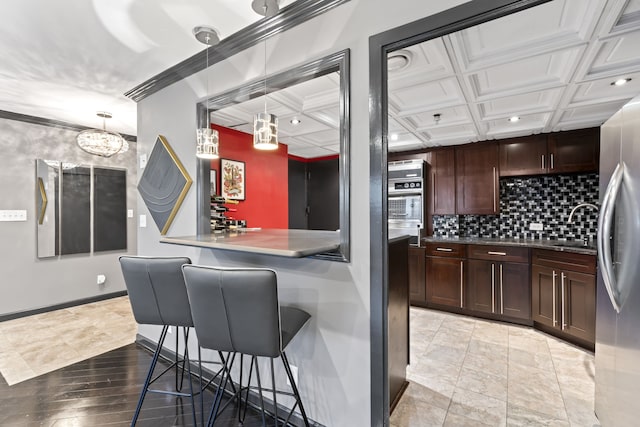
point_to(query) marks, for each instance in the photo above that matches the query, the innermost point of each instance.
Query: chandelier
(100, 142)
(207, 139)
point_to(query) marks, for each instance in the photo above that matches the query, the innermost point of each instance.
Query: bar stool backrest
(235, 309)
(156, 289)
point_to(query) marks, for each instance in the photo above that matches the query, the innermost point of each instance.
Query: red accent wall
(267, 185)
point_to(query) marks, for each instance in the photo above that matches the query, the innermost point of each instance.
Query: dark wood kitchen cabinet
(523, 156)
(442, 187)
(477, 185)
(574, 151)
(498, 282)
(417, 289)
(559, 152)
(444, 274)
(564, 295)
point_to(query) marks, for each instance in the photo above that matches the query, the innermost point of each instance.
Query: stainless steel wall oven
(406, 197)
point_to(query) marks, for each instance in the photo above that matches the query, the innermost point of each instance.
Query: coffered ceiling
(314, 103)
(552, 66)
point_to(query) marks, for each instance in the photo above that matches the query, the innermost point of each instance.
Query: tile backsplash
(546, 199)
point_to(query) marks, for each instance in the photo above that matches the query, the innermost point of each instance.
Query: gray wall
(333, 352)
(30, 283)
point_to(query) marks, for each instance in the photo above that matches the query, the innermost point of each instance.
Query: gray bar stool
(158, 296)
(237, 310)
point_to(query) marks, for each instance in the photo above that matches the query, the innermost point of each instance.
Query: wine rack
(219, 220)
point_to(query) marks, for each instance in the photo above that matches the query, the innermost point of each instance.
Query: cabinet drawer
(498, 253)
(453, 250)
(564, 261)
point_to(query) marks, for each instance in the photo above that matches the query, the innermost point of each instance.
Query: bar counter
(286, 243)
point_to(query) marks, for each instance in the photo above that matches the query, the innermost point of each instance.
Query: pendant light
(265, 125)
(207, 139)
(100, 142)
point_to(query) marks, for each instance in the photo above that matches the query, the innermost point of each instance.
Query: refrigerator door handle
(604, 232)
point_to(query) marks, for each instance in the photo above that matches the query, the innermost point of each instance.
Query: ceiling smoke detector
(206, 35)
(266, 8)
(399, 60)
(436, 118)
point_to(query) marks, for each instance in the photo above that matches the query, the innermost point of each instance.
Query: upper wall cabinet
(560, 152)
(477, 184)
(443, 182)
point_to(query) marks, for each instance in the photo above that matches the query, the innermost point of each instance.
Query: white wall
(333, 352)
(30, 283)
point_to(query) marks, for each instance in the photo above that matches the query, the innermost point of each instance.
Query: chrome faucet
(581, 205)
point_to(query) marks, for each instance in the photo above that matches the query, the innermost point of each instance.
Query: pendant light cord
(265, 64)
(206, 71)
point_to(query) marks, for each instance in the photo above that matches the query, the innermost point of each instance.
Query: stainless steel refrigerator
(617, 352)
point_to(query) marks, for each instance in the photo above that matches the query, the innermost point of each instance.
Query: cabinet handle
(551, 155)
(501, 293)
(542, 157)
(497, 253)
(493, 288)
(495, 209)
(461, 280)
(433, 188)
(563, 305)
(553, 298)
(444, 249)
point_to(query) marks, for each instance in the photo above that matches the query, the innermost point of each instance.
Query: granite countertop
(395, 234)
(554, 245)
(287, 243)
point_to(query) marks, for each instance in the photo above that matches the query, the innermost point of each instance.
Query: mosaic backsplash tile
(545, 199)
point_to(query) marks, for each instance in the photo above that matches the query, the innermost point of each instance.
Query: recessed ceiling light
(295, 121)
(394, 136)
(620, 82)
(514, 119)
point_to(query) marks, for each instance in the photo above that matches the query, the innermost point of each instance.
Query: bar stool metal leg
(186, 360)
(154, 361)
(273, 387)
(287, 368)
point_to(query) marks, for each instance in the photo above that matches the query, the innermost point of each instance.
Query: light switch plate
(143, 221)
(13, 215)
(536, 226)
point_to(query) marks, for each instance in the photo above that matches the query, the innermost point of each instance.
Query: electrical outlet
(294, 373)
(143, 161)
(170, 330)
(129, 213)
(101, 279)
(536, 226)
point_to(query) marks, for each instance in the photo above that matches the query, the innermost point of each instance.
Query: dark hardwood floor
(104, 390)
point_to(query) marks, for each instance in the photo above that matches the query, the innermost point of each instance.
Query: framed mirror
(316, 132)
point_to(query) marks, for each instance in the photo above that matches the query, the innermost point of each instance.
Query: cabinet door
(544, 295)
(417, 290)
(443, 182)
(444, 281)
(480, 286)
(514, 290)
(524, 156)
(477, 189)
(578, 315)
(574, 151)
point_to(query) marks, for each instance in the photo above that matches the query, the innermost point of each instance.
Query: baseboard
(73, 303)
(207, 374)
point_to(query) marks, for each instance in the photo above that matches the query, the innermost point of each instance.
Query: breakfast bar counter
(286, 243)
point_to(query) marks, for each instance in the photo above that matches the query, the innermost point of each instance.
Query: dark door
(544, 293)
(298, 195)
(579, 311)
(574, 151)
(480, 286)
(416, 275)
(477, 189)
(444, 280)
(524, 156)
(443, 182)
(514, 290)
(324, 194)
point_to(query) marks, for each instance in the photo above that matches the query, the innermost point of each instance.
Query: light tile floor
(34, 345)
(471, 372)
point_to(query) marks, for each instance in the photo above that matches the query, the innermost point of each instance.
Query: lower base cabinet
(564, 294)
(444, 274)
(417, 289)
